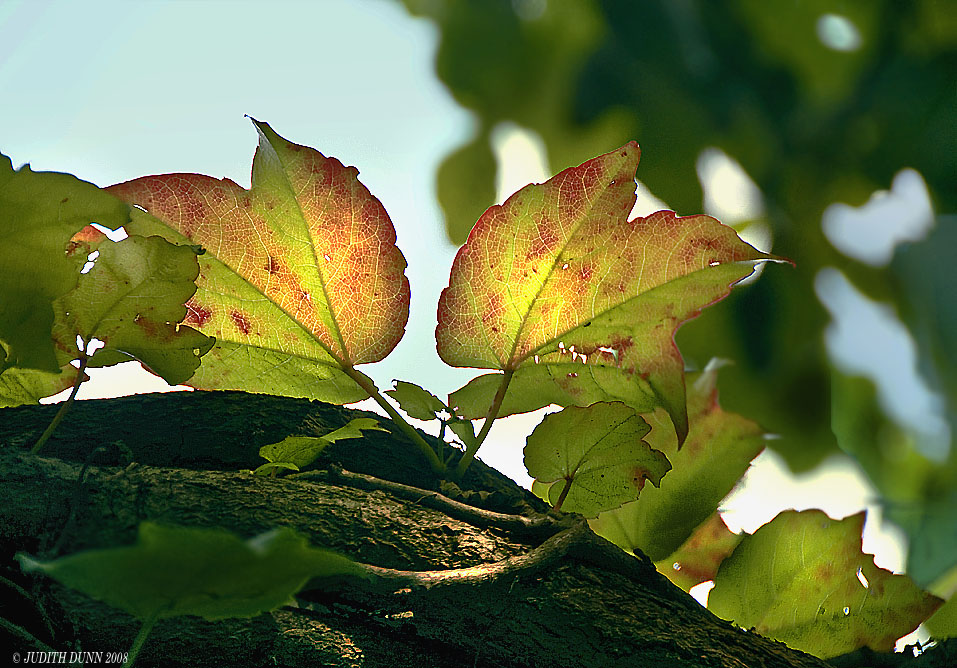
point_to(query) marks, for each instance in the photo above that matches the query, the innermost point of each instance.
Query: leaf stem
(473, 447)
(140, 639)
(363, 381)
(64, 407)
(561, 497)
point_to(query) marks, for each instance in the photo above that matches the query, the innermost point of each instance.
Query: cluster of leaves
(287, 287)
(812, 122)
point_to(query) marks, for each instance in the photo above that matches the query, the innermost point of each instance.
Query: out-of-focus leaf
(301, 276)
(718, 451)
(39, 214)
(558, 275)
(301, 451)
(466, 184)
(417, 402)
(943, 624)
(701, 555)
(803, 579)
(597, 454)
(132, 300)
(211, 573)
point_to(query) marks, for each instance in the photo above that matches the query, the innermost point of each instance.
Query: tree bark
(455, 586)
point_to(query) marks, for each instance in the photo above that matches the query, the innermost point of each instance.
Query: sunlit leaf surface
(301, 276)
(297, 452)
(595, 457)
(559, 287)
(803, 579)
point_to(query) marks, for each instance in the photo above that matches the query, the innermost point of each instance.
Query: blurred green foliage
(810, 124)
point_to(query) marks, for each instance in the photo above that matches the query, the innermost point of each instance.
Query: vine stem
(140, 639)
(473, 447)
(64, 407)
(366, 384)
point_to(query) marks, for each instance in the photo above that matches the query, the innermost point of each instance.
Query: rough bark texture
(526, 599)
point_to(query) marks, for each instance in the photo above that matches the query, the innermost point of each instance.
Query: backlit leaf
(28, 386)
(595, 457)
(132, 300)
(301, 276)
(698, 559)
(718, 451)
(557, 280)
(39, 213)
(803, 579)
(211, 573)
(300, 451)
(417, 402)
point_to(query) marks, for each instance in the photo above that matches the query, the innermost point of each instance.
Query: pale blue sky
(111, 91)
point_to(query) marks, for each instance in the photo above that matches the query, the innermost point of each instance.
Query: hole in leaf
(862, 578)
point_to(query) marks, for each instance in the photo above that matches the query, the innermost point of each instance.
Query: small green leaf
(265, 469)
(802, 579)
(132, 300)
(39, 214)
(211, 573)
(464, 430)
(718, 451)
(418, 403)
(597, 453)
(301, 451)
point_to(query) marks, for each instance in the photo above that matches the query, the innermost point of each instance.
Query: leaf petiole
(438, 466)
(65, 406)
(472, 448)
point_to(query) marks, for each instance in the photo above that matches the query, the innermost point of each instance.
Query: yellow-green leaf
(132, 301)
(301, 277)
(39, 214)
(803, 579)
(594, 458)
(559, 277)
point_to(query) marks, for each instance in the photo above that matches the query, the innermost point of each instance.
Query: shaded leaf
(39, 214)
(301, 277)
(596, 454)
(559, 275)
(265, 469)
(417, 402)
(464, 430)
(943, 623)
(132, 300)
(718, 451)
(698, 559)
(301, 451)
(211, 573)
(801, 579)
(465, 182)
(28, 386)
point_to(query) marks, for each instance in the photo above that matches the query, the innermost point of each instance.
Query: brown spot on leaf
(241, 321)
(272, 264)
(196, 314)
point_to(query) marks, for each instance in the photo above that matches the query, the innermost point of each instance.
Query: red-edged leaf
(698, 559)
(557, 280)
(301, 276)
